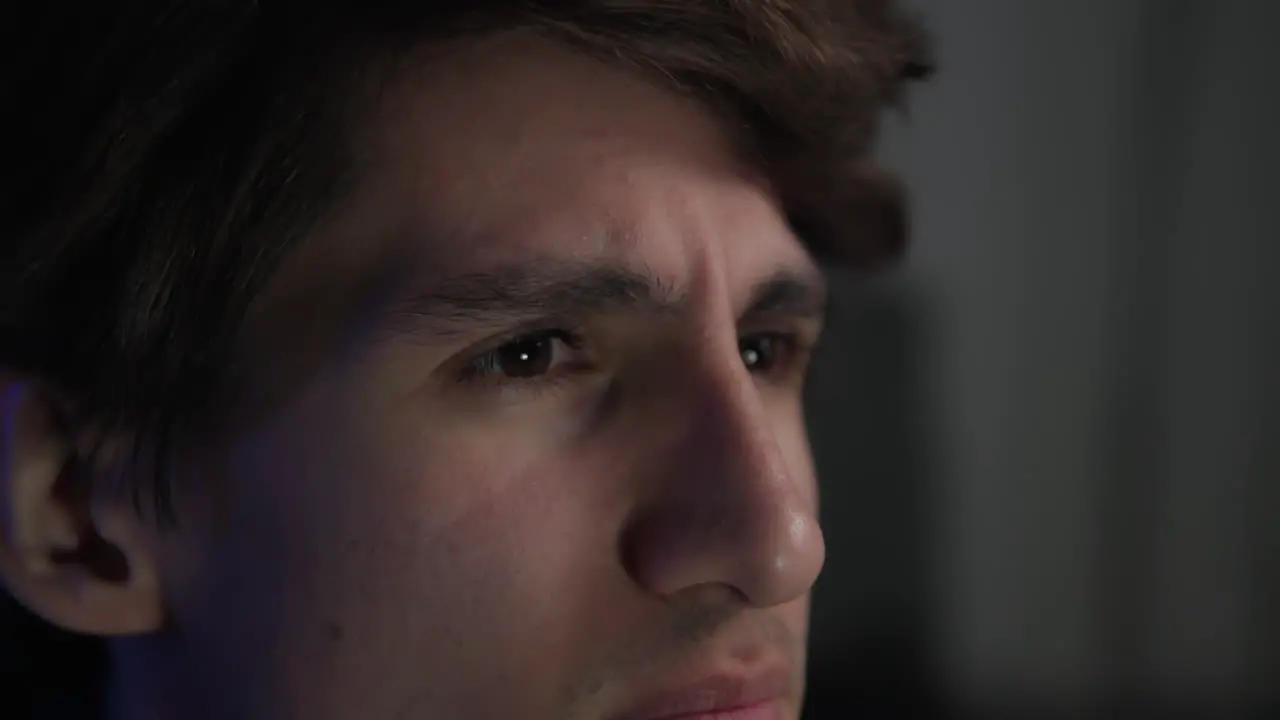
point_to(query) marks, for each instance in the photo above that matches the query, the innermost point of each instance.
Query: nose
(734, 508)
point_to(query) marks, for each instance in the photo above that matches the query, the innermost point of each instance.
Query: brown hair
(166, 155)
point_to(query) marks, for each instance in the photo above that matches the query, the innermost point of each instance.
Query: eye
(766, 352)
(527, 357)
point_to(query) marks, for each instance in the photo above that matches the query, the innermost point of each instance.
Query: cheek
(385, 559)
(496, 554)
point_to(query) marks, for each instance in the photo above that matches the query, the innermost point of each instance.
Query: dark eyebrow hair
(790, 294)
(527, 292)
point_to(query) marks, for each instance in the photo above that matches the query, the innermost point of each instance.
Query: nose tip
(799, 558)
(670, 553)
(737, 509)
(786, 563)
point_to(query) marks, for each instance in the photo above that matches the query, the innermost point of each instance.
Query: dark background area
(1050, 445)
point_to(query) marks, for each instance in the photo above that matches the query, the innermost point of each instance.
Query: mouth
(745, 696)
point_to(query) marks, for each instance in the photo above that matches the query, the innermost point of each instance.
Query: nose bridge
(732, 510)
(730, 424)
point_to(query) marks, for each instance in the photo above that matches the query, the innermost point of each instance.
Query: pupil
(525, 358)
(757, 353)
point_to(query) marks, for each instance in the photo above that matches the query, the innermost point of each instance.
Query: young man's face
(542, 451)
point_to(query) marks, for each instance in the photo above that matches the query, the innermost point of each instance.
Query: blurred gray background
(1050, 444)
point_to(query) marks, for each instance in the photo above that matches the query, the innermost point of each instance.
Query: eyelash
(485, 368)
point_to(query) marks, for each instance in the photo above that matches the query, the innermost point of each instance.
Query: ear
(71, 551)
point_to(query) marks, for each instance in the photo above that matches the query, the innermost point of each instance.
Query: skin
(414, 531)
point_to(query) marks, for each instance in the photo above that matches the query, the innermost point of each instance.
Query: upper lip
(712, 693)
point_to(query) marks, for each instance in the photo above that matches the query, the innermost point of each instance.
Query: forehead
(510, 148)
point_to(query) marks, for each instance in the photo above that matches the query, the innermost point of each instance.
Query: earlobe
(67, 552)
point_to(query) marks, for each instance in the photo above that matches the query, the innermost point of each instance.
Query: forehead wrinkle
(618, 265)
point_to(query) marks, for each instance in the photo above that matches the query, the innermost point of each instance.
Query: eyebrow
(524, 293)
